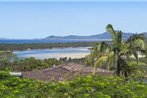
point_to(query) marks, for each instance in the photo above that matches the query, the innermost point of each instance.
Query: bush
(81, 87)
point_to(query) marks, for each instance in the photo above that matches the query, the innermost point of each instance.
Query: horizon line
(4, 38)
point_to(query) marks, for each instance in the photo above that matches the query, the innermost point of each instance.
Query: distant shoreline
(14, 47)
(45, 41)
(57, 53)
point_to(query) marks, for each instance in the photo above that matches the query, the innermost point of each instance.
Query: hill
(102, 36)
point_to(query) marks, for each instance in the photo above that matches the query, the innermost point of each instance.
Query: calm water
(46, 41)
(54, 53)
(51, 53)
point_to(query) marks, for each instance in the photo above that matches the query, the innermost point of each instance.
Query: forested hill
(102, 36)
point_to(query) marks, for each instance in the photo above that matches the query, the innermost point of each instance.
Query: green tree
(5, 58)
(118, 52)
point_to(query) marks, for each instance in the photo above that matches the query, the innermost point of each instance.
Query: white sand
(58, 55)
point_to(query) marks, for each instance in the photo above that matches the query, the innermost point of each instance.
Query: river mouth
(78, 52)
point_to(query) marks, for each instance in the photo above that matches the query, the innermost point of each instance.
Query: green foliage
(87, 87)
(4, 75)
(118, 52)
(44, 45)
(28, 64)
(5, 58)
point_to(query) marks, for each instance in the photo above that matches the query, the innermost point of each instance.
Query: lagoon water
(51, 53)
(54, 53)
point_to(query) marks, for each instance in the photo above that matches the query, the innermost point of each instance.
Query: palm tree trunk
(108, 67)
(118, 68)
(126, 75)
(94, 70)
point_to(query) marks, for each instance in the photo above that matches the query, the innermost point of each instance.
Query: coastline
(57, 55)
(22, 47)
(70, 52)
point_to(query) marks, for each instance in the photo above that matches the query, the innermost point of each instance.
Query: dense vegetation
(81, 87)
(9, 61)
(118, 53)
(28, 64)
(44, 45)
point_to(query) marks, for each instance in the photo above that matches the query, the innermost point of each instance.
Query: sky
(30, 19)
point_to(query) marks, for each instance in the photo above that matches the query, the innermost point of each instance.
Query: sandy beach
(57, 55)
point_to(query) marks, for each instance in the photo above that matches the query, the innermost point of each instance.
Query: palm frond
(135, 37)
(101, 60)
(111, 58)
(110, 29)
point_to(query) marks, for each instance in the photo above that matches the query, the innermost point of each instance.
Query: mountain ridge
(102, 36)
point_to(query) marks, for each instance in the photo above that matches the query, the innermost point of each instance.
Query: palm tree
(98, 55)
(117, 52)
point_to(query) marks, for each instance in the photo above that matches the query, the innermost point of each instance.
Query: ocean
(20, 41)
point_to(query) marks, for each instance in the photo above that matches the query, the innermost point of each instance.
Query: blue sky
(38, 19)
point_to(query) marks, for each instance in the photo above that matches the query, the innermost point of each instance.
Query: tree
(5, 58)
(117, 52)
